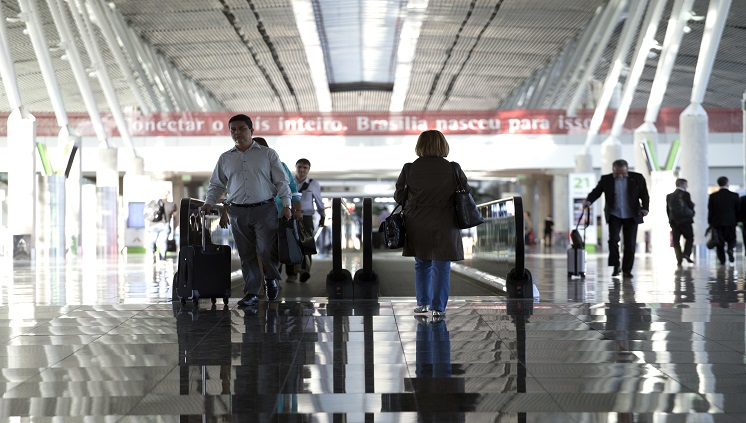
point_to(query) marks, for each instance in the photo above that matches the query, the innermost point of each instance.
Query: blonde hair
(431, 143)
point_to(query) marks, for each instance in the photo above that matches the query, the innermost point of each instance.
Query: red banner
(502, 122)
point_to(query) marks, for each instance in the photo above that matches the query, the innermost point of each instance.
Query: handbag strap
(406, 168)
(454, 167)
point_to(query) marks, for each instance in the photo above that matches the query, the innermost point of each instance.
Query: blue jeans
(432, 282)
(157, 237)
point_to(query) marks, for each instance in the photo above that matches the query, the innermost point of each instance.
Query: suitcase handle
(580, 219)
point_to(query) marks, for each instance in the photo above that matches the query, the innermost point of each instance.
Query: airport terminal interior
(108, 104)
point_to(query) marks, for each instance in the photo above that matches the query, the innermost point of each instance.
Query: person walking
(548, 231)
(627, 203)
(722, 216)
(426, 188)
(158, 215)
(680, 211)
(251, 175)
(310, 197)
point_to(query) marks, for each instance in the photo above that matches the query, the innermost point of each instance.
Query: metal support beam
(607, 26)
(579, 56)
(82, 21)
(674, 33)
(67, 41)
(122, 32)
(30, 15)
(634, 16)
(128, 73)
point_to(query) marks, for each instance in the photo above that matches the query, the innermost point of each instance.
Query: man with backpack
(310, 191)
(158, 215)
(680, 210)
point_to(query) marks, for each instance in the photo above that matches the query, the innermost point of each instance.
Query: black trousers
(677, 231)
(628, 228)
(726, 235)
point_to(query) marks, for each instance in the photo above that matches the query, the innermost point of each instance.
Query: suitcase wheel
(183, 301)
(195, 300)
(582, 275)
(225, 300)
(213, 300)
(569, 274)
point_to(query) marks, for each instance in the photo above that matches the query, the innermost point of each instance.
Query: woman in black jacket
(426, 188)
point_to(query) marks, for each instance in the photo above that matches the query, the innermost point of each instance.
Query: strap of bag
(305, 185)
(407, 166)
(459, 188)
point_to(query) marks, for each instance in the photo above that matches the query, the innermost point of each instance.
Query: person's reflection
(723, 288)
(683, 288)
(272, 356)
(625, 318)
(433, 349)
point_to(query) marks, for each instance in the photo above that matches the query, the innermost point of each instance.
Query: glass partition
(501, 237)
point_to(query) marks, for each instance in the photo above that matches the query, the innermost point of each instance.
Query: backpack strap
(305, 185)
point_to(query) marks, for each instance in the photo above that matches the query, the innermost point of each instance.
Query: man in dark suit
(627, 202)
(722, 216)
(680, 211)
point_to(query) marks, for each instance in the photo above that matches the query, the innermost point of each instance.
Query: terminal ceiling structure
(357, 55)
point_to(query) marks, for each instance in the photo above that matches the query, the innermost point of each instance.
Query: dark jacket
(742, 216)
(429, 213)
(637, 194)
(670, 198)
(723, 208)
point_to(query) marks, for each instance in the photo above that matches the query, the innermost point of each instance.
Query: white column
(694, 167)
(21, 181)
(544, 208)
(107, 194)
(560, 201)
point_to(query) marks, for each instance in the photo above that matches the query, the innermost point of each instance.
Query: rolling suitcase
(576, 252)
(204, 271)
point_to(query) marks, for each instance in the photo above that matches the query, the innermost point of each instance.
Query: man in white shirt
(251, 175)
(310, 191)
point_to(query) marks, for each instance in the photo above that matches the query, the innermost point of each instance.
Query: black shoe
(305, 276)
(678, 263)
(271, 289)
(616, 271)
(627, 275)
(248, 300)
(731, 258)
(688, 259)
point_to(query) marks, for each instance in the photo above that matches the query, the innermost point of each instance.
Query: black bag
(154, 211)
(467, 213)
(393, 229)
(714, 240)
(679, 209)
(289, 248)
(578, 241)
(307, 241)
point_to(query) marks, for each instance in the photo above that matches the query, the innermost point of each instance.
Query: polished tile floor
(100, 340)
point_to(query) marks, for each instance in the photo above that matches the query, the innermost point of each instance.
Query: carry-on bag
(576, 252)
(204, 271)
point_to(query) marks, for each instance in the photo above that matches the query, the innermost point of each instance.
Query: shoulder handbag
(288, 242)
(393, 227)
(467, 213)
(307, 241)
